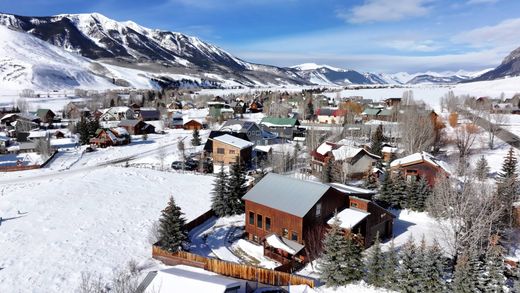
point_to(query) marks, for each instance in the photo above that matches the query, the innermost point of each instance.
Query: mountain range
(91, 50)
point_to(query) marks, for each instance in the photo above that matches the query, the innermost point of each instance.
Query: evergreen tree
(482, 169)
(195, 141)
(467, 273)
(399, 195)
(507, 186)
(333, 263)
(371, 181)
(385, 192)
(433, 270)
(172, 233)
(237, 188)
(494, 270)
(420, 272)
(410, 200)
(376, 265)
(422, 191)
(354, 259)
(377, 141)
(391, 266)
(220, 194)
(310, 110)
(408, 268)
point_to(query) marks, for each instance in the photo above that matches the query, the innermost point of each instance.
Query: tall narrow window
(259, 221)
(251, 218)
(294, 236)
(318, 210)
(267, 224)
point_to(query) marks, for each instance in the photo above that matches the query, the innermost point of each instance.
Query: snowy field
(91, 221)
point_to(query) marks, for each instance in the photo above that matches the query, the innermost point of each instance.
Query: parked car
(189, 165)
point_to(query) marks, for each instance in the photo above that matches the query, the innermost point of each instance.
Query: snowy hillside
(26, 61)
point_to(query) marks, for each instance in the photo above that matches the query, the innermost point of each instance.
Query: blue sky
(367, 35)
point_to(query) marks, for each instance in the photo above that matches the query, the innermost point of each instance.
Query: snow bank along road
(39, 175)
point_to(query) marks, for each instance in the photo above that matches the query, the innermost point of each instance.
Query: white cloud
(385, 10)
(413, 45)
(505, 35)
(471, 2)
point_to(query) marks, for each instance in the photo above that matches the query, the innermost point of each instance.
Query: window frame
(253, 218)
(259, 221)
(267, 226)
(294, 233)
(221, 151)
(318, 209)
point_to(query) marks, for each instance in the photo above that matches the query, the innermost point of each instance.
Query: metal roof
(286, 194)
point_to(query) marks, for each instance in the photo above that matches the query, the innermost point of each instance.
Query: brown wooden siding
(279, 221)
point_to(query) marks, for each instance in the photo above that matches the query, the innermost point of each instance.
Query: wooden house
(136, 127)
(353, 162)
(256, 106)
(330, 115)
(227, 149)
(208, 146)
(363, 216)
(423, 165)
(281, 212)
(110, 137)
(393, 102)
(193, 124)
(285, 214)
(45, 115)
(254, 133)
(177, 121)
(117, 114)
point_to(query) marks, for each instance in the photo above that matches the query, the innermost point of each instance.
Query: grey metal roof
(130, 123)
(286, 194)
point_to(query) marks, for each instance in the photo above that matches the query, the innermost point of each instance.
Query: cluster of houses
(499, 105)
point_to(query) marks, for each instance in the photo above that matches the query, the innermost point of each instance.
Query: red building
(423, 165)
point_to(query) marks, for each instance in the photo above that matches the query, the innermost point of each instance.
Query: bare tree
(467, 212)
(43, 147)
(493, 123)
(27, 93)
(417, 131)
(465, 136)
(22, 105)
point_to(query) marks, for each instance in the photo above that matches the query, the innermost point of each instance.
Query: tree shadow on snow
(400, 226)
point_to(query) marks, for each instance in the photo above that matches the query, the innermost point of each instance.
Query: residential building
(110, 137)
(45, 115)
(227, 149)
(136, 127)
(117, 114)
(422, 165)
(285, 128)
(193, 124)
(254, 133)
(149, 114)
(330, 115)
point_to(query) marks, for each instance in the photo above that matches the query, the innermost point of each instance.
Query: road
(505, 135)
(34, 175)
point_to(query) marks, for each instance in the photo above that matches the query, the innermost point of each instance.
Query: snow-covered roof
(345, 152)
(417, 158)
(349, 189)
(349, 218)
(263, 148)
(190, 279)
(388, 149)
(37, 134)
(120, 131)
(284, 244)
(324, 148)
(234, 141)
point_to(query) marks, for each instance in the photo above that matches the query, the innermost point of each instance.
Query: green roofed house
(385, 115)
(370, 113)
(286, 128)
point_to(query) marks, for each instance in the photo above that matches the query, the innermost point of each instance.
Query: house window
(318, 210)
(267, 224)
(354, 204)
(220, 151)
(231, 152)
(285, 232)
(259, 221)
(251, 218)
(294, 236)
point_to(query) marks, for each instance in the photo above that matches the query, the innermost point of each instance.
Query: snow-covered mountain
(329, 75)
(509, 67)
(27, 62)
(99, 38)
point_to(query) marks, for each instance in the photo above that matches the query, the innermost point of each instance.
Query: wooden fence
(230, 269)
(199, 220)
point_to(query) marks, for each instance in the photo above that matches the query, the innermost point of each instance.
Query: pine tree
(399, 196)
(195, 141)
(237, 188)
(326, 175)
(494, 270)
(354, 259)
(333, 263)
(433, 269)
(310, 110)
(422, 193)
(220, 194)
(408, 267)
(376, 265)
(507, 186)
(411, 194)
(391, 266)
(420, 272)
(371, 181)
(467, 272)
(385, 192)
(377, 141)
(482, 169)
(172, 233)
